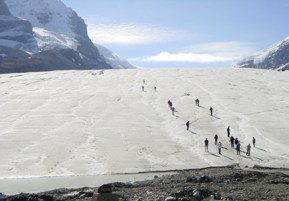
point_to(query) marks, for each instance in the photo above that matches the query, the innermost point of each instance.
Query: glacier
(63, 125)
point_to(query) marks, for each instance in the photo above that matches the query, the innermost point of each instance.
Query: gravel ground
(222, 183)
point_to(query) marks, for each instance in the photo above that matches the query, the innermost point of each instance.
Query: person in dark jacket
(206, 145)
(188, 125)
(228, 131)
(219, 147)
(236, 141)
(211, 111)
(232, 140)
(170, 104)
(216, 139)
(248, 150)
(197, 102)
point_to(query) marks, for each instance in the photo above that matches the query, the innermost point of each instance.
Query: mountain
(113, 59)
(43, 26)
(15, 32)
(4, 9)
(58, 59)
(275, 57)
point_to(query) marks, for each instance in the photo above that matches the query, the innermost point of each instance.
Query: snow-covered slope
(58, 27)
(51, 15)
(51, 21)
(72, 123)
(275, 57)
(113, 59)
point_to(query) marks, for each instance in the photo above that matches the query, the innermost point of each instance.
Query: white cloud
(230, 49)
(203, 53)
(132, 34)
(180, 57)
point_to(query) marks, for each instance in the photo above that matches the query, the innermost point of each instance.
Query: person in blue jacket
(238, 148)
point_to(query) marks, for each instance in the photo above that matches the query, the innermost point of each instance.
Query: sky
(186, 33)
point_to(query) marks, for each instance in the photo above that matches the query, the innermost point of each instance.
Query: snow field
(70, 123)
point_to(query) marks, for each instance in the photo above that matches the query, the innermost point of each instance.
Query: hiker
(232, 140)
(188, 125)
(206, 145)
(142, 88)
(211, 111)
(236, 141)
(155, 88)
(238, 148)
(170, 104)
(228, 131)
(248, 150)
(173, 111)
(216, 139)
(143, 81)
(197, 102)
(219, 147)
(254, 141)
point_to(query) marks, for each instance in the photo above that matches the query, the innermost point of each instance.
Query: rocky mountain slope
(275, 57)
(4, 9)
(48, 26)
(48, 60)
(15, 32)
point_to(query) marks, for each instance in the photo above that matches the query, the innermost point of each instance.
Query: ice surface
(70, 123)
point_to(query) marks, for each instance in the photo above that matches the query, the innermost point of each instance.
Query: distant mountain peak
(274, 57)
(114, 59)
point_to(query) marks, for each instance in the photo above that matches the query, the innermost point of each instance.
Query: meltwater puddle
(14, 186)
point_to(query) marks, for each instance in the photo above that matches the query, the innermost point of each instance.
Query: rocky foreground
(223, 183)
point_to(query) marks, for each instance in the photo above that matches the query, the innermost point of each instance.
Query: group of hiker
(218, 144)
(197, 101)
(235, 143)
(143, 87)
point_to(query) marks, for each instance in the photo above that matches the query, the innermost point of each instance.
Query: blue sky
(184, 33)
